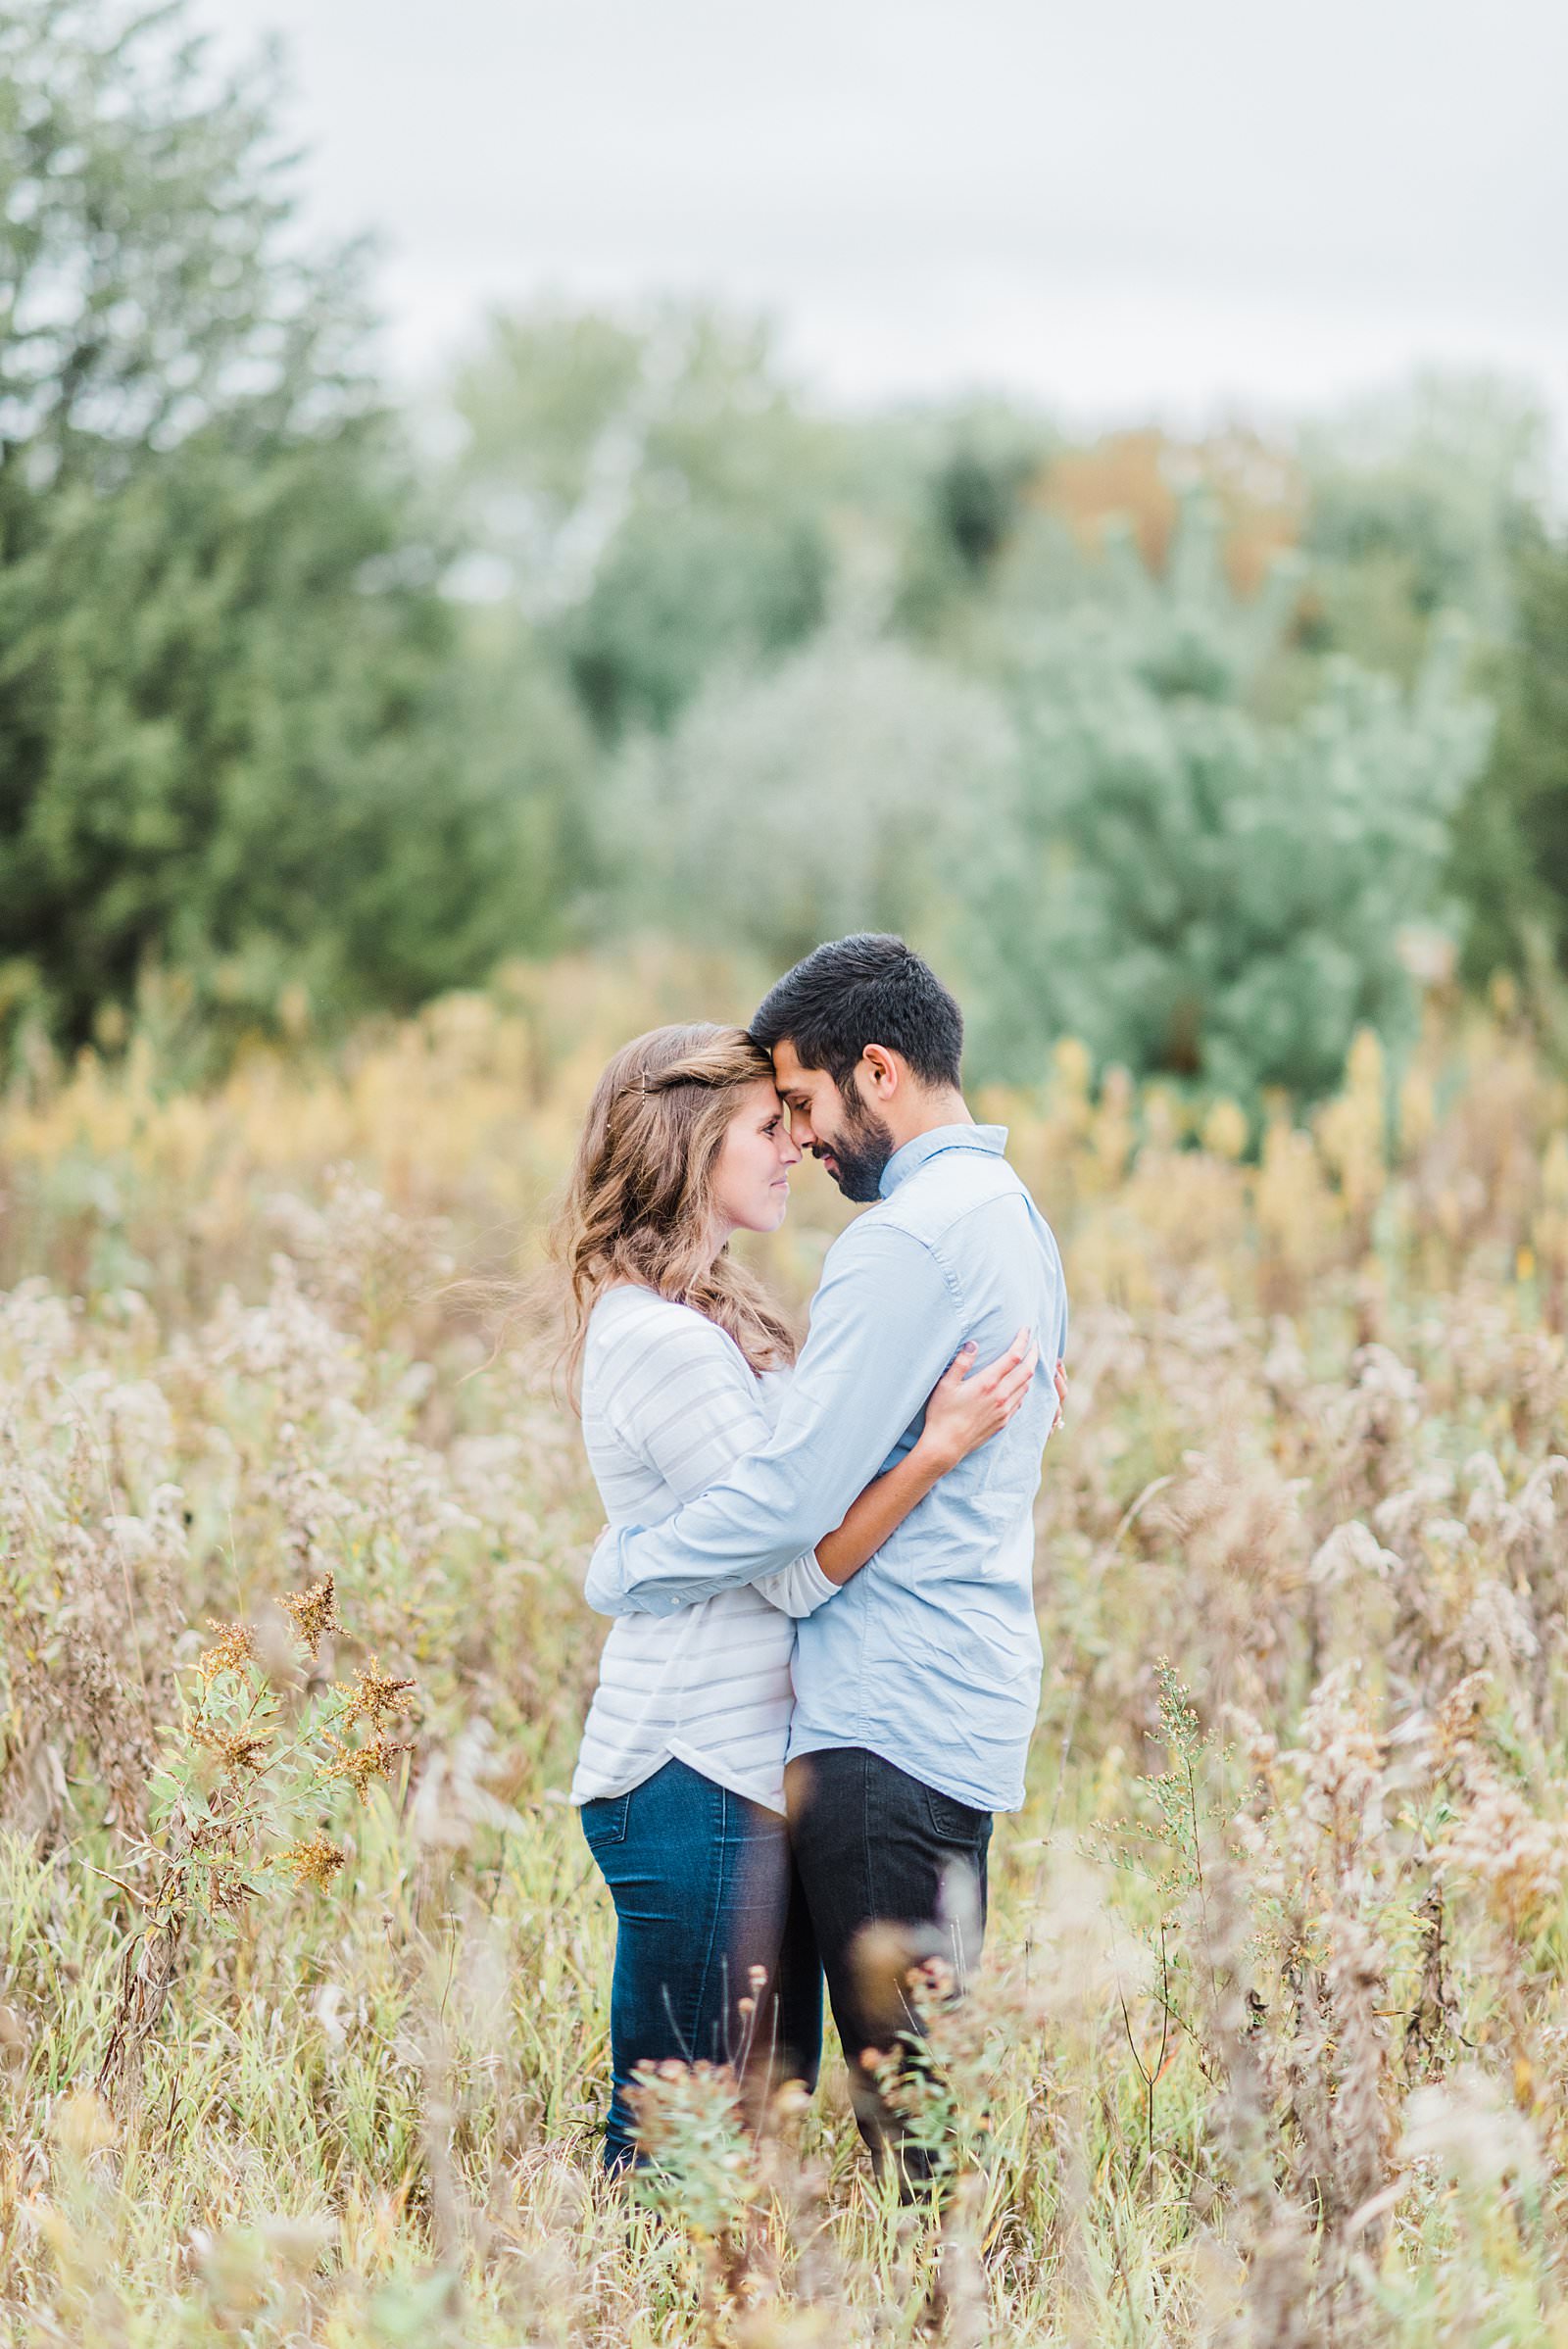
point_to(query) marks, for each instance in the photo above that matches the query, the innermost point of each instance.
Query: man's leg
(797, 2009)
(895, 1874)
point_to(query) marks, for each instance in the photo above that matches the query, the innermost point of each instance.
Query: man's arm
(884, 1328)
(687, 1403)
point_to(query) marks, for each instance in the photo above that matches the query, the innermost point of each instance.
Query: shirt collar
(914, 1156)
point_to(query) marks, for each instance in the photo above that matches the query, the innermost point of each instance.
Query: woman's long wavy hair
(639, 1203)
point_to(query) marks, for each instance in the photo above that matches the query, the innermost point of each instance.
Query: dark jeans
(877, 1848)
(703, 1890)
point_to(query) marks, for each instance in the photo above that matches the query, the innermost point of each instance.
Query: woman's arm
(963, 1413)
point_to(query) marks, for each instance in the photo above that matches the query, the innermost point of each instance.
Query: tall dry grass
(303, 1965)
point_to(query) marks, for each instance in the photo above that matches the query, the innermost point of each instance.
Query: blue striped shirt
(930, 1655)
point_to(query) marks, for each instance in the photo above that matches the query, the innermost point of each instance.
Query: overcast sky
(1191, 210)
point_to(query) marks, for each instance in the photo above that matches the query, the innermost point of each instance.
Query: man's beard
(861, 1151)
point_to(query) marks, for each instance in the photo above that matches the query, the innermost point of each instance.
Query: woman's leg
(700, 1879)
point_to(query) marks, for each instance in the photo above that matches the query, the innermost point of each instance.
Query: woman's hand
(965, 1411)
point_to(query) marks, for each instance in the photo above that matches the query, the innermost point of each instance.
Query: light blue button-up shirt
(930, 1655)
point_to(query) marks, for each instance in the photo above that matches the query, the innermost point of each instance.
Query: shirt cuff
(604, 1587)
(815, 1584)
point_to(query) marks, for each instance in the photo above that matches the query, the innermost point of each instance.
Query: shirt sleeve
(885, 1326)
(691, 1414)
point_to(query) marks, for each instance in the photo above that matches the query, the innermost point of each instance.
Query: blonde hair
(639, 1203)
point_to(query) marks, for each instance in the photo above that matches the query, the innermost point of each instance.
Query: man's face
(852, 1140)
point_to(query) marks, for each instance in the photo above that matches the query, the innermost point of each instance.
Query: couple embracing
(825, 1667)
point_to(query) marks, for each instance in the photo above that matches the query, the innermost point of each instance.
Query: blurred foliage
(1104, 840)
(1209, 895)
(654, 496)
(1510, 854)
(1180, 626)
(1418, 500)
(829, 795)
(683, 592)
(236, 726)
(967, 488)
(301, 716)
(1139, 478)
(1198, 892)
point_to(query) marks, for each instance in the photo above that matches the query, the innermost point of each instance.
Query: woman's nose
(789, 1150)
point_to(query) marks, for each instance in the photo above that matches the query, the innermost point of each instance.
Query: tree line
(1206, 752)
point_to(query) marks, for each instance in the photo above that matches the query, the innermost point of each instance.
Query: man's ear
(884, 1072)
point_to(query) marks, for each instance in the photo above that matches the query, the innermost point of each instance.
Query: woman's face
(751, 1175)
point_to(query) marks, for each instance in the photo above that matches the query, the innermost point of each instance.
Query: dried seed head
(315, 1862)
(1461, 1713)
(234, 1648)
(312, 1612)
(376, 1758)
(236, 1749)
(375, 1694)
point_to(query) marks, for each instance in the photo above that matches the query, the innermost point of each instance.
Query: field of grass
(303, 1963)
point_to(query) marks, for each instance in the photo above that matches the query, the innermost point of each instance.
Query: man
(917, 1685)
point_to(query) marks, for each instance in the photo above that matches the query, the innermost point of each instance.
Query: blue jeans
(705, 1890)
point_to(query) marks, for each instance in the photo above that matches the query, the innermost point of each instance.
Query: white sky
(1185, 207)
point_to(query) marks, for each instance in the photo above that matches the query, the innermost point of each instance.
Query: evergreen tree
(231, 732)
(1195, 891)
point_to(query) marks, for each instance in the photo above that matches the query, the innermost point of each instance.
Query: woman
(680, 1363)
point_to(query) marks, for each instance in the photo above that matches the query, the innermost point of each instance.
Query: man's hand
(1061, 1396)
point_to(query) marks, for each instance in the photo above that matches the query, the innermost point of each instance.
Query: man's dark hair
(859, 991)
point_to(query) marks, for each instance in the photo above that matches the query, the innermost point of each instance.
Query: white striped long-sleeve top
(669, 1404)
